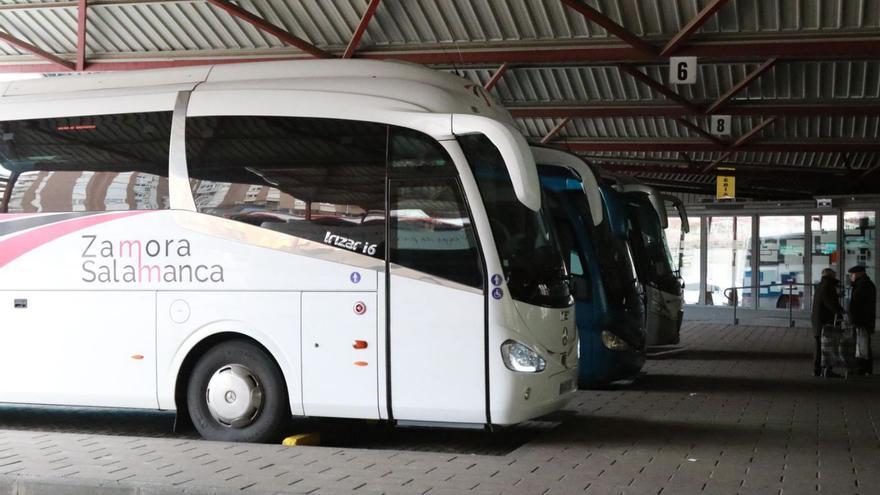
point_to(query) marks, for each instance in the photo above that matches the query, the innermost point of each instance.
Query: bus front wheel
(236, 393)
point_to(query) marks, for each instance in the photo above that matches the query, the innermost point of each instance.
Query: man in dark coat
(863, 310)
(826, 306)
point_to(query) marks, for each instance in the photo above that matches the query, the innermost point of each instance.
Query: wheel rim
(234, 396)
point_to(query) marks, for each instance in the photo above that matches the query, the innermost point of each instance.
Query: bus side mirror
(583, 291)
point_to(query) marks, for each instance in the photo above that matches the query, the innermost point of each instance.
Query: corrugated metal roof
(131, 29)
(865, 128)
(786, 80)
(184, 25)
(824, 160)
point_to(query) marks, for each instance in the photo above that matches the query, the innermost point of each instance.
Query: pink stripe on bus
(18, 245)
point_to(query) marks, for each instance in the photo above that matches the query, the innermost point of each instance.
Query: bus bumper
(534, 395)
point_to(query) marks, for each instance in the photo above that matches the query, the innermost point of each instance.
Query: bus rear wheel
(236, 393)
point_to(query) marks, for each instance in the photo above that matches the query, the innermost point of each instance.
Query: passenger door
(436, 300)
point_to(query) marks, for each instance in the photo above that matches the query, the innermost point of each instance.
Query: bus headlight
(613, 342)
(520, 357)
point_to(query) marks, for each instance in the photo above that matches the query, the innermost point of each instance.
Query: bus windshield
(613, 256)
(649, 238)
(526, 242)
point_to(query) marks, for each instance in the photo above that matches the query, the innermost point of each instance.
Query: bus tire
(236, 393)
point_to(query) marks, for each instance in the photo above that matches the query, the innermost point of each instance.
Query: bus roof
(465, 97)
(627, 184)
(347, 89)
(554, 157)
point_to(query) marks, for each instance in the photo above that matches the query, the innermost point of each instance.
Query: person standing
(863, 311)
(826, 305)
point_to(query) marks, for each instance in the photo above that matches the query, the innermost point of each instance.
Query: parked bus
(610, 314)
(243, 243)
(646, 211)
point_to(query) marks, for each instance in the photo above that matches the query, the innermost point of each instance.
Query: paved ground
(739, 412)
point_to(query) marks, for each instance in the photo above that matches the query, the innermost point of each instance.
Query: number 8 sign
(683, 70)
(720, 125)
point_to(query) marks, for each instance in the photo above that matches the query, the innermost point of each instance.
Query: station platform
(737, 412)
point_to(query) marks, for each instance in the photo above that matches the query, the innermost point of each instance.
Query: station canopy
(799, 79)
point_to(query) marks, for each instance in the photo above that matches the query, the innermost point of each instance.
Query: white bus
(243, 243)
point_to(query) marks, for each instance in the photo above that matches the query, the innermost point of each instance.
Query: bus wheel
(236, 393)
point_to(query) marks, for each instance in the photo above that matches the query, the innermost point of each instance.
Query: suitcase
(838, 345)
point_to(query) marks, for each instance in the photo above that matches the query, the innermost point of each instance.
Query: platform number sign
(720, 125)
(683, 70)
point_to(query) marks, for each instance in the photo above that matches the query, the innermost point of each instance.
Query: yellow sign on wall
(726, 187)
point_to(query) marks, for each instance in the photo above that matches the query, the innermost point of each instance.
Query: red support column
(362, 26)
(692, 26)
(723, 99)
(612, 27)
(496, 77)
(553, 132)
(51, 57)
(270, 28)
(739, 142)
(699, 130)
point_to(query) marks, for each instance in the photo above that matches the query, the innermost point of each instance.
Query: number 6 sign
(683, 70)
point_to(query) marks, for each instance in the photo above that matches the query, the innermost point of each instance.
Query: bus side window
(414, 154)
(431, 231)
(87, 164)
(317, 179)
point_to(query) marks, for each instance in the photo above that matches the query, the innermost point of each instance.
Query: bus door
(436, 300)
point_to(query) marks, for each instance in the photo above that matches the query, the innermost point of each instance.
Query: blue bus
(609, 305)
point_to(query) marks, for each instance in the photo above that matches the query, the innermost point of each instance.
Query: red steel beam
(553, 132)
(270, 28)
(361, 28)
(652, 168)
(757, 192)
(723, 99)
(521, 54)
(645, 145)
(717, 162)
(50, 57)
(752, 133)
(698, 165)
(694, 24)
(612, 27)
(568, 53)
(659, 87)
(797, 109)
(496, 77)
(740, 142)
(127, 65)
(699, 130)
(81, 12)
